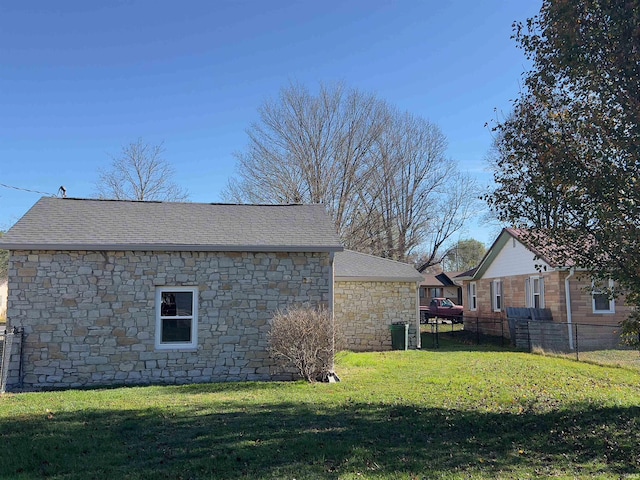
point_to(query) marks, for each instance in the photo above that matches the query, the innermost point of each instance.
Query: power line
(27, 190)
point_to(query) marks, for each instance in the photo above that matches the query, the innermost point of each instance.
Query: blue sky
(81, 79)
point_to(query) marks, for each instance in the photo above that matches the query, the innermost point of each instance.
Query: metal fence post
(575, 341)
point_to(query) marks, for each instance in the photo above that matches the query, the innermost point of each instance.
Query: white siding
(514, 259)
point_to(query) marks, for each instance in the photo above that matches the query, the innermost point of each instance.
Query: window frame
(531, 293)
(597, 292)
(497, 294)
(473, 296)
(193, 343)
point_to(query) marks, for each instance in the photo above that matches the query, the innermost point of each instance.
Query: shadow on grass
(307, 441)
(231, 387)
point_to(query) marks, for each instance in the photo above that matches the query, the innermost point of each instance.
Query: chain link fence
(598, 343)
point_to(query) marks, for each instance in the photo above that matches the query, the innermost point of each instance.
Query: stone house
(513, 274)
(371, 293)
(119, 292)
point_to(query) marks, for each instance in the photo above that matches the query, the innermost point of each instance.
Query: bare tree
(310, 149)
(140, 173)
(382, 174)
(418, 196)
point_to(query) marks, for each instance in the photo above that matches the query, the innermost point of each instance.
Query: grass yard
(452, 413)
(626, 358)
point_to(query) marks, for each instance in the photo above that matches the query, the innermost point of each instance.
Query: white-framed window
(496, 295)
(473, 297)
(601, 301)
(176, 318)
(534, 290)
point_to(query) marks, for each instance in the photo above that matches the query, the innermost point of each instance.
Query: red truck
(441, 308)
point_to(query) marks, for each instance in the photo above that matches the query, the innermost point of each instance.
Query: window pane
(184, 303)
(168, 307)
(536, 286)
(175, 330)
(601, 301)
(178, 304)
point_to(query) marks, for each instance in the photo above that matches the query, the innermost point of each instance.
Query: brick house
(118, 292)
(371, 293)
(513, 274)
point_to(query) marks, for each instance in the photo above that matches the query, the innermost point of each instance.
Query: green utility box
(399, 336)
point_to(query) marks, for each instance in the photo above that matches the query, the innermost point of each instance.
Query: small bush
(631, 329)
(303, 337)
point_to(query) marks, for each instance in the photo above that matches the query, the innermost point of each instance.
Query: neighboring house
(443, 284)
(371, 293)
(119, 292)
(513, 274)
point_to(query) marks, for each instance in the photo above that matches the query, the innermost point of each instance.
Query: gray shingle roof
(355, 266)
(79, 224)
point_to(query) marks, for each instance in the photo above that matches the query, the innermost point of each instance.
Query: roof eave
(172, 248)
(376, 279)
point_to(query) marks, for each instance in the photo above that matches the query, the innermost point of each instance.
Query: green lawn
(452, 413)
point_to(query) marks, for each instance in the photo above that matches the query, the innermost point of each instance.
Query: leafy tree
(569, 161)
(382, 174)
(464, 255)
(140, 173)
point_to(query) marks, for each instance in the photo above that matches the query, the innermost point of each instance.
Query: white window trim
(531, 294)
(473, 296)
(612, 301)
(497, 287)
(193, 344)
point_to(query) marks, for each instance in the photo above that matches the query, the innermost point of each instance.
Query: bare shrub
(303, 337)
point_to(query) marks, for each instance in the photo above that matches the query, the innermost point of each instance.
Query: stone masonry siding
(365, 310)
(89, 316)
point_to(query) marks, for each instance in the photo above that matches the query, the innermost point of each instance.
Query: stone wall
(89, 317)
(365, 310)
